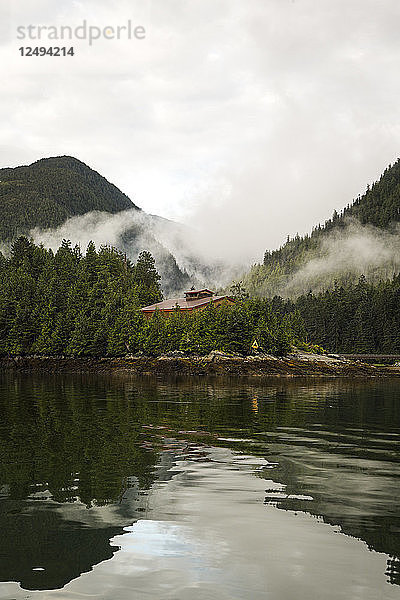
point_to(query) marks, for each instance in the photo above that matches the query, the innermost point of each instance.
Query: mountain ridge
(61, 195)
(315, 261)
(49, 191)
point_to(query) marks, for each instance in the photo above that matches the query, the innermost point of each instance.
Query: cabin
(193, 300)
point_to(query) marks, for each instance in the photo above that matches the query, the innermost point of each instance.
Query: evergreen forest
(377, 211)
(51, 190)
(72, 304)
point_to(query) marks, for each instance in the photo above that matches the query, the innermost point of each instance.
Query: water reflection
(82, 458)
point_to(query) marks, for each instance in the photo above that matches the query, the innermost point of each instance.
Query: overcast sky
(250, 119)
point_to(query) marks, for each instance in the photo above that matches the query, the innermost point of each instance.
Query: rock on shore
(297, 364)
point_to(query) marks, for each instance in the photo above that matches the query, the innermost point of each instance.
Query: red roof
(193, 292)
(182, 303)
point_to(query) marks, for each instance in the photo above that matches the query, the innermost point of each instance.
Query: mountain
(364, 238)
(380, 205)
(51, 190)
(61, 197)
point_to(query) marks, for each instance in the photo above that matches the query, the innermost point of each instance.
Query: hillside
(49, 191)
(362, 239)
(61, 197)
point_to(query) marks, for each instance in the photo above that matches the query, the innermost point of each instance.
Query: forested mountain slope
(61, 197)
(49, 191)
(362, 239)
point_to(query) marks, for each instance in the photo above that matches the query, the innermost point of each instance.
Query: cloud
(347, 253)
(133, 231)
(247, 120)
(99, 227)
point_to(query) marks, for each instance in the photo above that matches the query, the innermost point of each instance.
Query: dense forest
(360, 318)
(67, 303)
(377, 209)
(51, 190)
(357, 318)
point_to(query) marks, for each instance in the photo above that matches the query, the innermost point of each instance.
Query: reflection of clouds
(155, 538)
(148, 541)
(210, 536)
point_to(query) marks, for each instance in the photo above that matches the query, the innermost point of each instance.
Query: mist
(235, 116)
(100, 227)
(345, 254)
(175, 247)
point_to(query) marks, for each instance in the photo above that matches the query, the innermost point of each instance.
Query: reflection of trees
(78, 443)
(71, 437)
(66, 446)
(42, 537)
(80, 435)
(343, 454)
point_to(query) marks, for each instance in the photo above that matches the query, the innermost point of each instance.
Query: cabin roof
(183, 303)
(193, 292)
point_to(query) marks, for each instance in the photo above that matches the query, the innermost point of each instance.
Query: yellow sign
(255, 345)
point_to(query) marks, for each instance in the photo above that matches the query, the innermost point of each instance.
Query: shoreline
(298, 364)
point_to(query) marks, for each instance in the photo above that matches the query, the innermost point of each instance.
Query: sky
(250, 120)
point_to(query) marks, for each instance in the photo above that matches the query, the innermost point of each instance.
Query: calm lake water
(120, 488)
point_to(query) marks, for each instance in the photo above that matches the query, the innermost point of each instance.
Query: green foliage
(272, 337)
(379, 206)
(48, 192)
(89, 305)
(311, 348)
(238, 291)
(361, 318)
(230, 329)
(148, 278)
(66, 303)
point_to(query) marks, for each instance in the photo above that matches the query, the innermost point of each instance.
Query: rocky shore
(297, 364)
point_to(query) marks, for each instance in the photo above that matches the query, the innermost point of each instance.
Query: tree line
(75, 304)
(357, 318)
(88, 304)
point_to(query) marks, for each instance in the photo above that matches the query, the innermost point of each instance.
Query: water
(121, 488)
